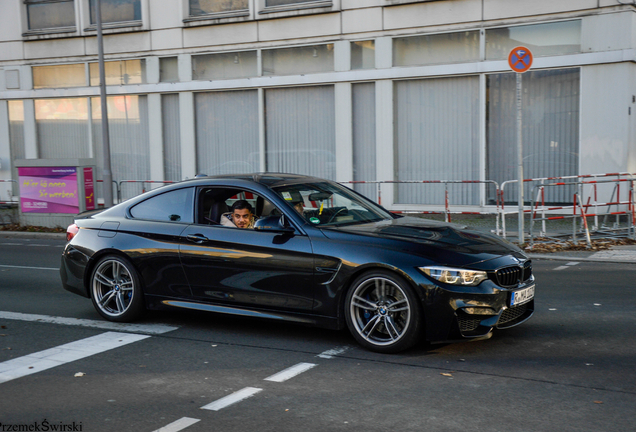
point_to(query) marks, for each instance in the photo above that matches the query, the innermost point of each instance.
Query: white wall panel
(121, 43)
(5, 150)
(432, 13)
(608, 32)
(11, 51)
(155, 136)
(605, 119)
(188, 135)
(362, 20)
(52, 48)
(220, 34)
(299, 27)
(166, 14)
(167, 39)
(10, 20)
(498, 9)
(30, 131)
(344, 132)
(357, 4)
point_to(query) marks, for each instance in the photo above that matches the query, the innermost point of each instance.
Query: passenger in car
(240, 216)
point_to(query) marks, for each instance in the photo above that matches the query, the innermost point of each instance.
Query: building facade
(351, 90)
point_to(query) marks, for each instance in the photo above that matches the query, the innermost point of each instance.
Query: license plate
(521, 297)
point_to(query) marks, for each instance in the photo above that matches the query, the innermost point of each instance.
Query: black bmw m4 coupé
(312, 251)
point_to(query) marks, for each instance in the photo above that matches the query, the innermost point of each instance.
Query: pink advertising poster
(48, 190)
(89, 189)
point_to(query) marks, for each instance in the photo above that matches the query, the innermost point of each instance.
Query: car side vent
(508, 276)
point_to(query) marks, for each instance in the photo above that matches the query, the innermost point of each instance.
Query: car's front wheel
(382, 312)
(116, 289)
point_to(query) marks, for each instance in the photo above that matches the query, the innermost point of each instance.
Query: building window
(129, 140)
(542, 39)
(59, 76)
(271, 3)
(169, 69)
(114, 11)
(363, 55)
(301, 131)
(437, 138)
(436, 49)
(50, 14)
(121, 72)
(550, 132)
(207, 7)
(62, 128)
(227, 132)
(224, 65)
(298, 60)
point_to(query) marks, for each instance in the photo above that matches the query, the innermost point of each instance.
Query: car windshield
(329, 204)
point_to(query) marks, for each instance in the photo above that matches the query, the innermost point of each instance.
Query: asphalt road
(572, 367)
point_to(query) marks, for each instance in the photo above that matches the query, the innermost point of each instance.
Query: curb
(32, 235)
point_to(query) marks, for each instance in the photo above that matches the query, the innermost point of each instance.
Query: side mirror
(273, 224)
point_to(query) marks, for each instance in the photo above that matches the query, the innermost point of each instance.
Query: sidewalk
(617, 254)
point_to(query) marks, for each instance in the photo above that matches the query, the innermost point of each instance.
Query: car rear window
(173, 206)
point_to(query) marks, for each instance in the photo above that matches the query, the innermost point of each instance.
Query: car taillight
(71, 231)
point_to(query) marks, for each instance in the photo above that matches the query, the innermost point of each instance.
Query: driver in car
(241, 216)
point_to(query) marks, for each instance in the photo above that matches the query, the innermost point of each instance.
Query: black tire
(383, 312)
(116, 289)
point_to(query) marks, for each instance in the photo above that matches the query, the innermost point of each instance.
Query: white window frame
(114, 27)
(61, 31)
(400, 2)
(305, 8)
(218, 17)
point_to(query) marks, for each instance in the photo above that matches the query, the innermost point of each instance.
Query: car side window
(215, 205)
(173, 206)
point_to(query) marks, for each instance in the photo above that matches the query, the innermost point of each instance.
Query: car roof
(268, 179)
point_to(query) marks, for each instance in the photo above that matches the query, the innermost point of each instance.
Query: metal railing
(544, 181)
(447, 212)
(584, 207)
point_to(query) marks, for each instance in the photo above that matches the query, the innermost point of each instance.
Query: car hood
(441, 242)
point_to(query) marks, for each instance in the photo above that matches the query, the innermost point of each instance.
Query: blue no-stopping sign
(520, 59)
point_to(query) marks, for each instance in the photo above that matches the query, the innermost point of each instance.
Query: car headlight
(455, 276)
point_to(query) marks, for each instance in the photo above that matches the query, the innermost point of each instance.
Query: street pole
(520, 159)
(107, 175)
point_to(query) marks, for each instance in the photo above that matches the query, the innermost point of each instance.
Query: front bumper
(473, 312)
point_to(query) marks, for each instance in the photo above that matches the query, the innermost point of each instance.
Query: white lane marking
(178, 425)
(106, 325)
(572, 263)
(11, 244)
(50, 358)
(291, 372)
(560, 268)
(30, 268)
(333, 352)
(35, 244)
(231, 399)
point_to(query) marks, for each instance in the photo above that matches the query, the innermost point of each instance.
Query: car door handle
(197, 238)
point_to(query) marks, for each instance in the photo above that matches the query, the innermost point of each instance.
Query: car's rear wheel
(116, 289)
(382, 312)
